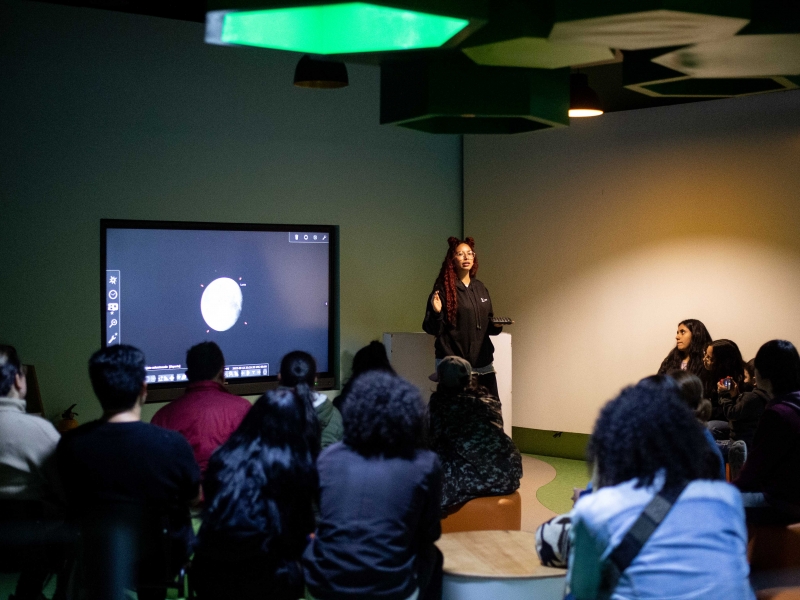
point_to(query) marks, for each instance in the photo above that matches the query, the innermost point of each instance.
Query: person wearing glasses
(459, 313)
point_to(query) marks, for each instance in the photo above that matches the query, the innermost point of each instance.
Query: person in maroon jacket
(207, 414)
(770, 479)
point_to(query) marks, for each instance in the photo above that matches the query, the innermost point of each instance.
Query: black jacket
(744, 413)
(469, 338)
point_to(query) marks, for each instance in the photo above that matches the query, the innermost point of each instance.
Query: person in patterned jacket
(466, 431)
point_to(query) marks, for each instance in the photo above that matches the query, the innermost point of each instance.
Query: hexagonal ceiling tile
(655, 28)
(643, 75)
(333, 28)
(739, 56)
(538, 53)
(451, 94)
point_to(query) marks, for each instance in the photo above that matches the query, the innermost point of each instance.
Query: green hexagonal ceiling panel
(537, 53)
(739, 56)
(333, 28)
(642, 24)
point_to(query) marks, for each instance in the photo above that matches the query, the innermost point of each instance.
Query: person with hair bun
(647, 442)
(459, 313)
(323, 419)
(691, 341)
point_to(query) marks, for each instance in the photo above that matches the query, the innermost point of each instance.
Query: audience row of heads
(713, 360)
(383, 414)
(654, 426)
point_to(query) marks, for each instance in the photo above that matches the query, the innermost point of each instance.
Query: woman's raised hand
(436, 302)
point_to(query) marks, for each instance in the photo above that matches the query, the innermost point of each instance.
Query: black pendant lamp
(320, 74)
(583, 100)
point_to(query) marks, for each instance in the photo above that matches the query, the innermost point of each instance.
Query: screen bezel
(164, 392)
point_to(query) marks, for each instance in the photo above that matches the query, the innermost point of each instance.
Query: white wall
(599, 238)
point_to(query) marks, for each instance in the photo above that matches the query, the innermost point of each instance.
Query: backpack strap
(636, 537)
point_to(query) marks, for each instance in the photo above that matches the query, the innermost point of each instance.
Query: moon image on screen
(221, 304)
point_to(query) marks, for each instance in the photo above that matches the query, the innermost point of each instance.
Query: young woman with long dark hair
(725, 367)
(323, 419)
(645, 442)
(260, 487)
(691, 341)
(459, 313)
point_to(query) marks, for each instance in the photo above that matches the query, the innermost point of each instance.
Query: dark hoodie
(469, 338)
(744, 413)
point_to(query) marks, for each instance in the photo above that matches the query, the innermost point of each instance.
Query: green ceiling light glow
(346, 28)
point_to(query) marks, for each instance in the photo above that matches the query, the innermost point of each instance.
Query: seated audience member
(691, 390)
(371, 357)
(723, 361)
(126, 482)
(646, 442)
(260, 487)
(691, 341)
(28, 476)
(207, 414)
(743, 407)
(323, 419)
(380, 498)
(466, 431)
(770, 479)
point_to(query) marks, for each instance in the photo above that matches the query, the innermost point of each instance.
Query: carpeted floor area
(546, 487)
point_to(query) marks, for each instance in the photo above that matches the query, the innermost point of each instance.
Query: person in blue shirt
(645, 440)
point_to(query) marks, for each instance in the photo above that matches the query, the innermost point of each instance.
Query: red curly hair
(447, 276)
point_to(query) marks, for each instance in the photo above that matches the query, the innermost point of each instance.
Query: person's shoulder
(606, 502)
(710, 489)
(35, 425)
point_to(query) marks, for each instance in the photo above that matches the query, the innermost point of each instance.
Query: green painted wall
(550, 443)
(111, 115)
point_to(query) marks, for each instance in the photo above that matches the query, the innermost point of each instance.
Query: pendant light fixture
(583, 100)
(327, 27)
(320, 74)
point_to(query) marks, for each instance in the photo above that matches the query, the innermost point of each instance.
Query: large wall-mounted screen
(258, 291)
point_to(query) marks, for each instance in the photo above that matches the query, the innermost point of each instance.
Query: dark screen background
(161, 273)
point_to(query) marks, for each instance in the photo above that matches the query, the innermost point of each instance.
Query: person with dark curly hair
(647, 441)
(379, 502)
(459, 313)
(260, 488)
(466, 431)
(691, 341)
(770, 479)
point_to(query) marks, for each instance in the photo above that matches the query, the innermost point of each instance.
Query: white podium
(412, 356)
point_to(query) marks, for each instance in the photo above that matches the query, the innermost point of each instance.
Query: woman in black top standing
(459, 313)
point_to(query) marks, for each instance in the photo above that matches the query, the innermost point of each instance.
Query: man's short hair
(204, 361)
(9, 367)
(117, 374)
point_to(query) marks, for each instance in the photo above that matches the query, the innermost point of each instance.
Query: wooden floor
(535, 474)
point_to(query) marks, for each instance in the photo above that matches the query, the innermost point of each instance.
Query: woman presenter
(459, 313)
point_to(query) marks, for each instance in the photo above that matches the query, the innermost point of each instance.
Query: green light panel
(339, 28)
